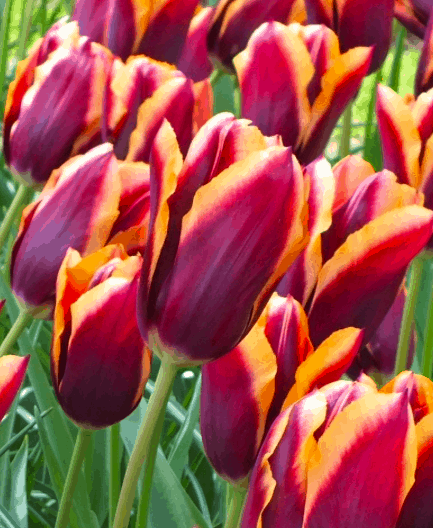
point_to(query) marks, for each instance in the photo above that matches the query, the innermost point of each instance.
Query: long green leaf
(18, 506)
(6, 519)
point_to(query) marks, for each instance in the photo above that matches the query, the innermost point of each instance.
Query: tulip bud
(99, 363)
(196, 303)
(40, 136)
(12, 373)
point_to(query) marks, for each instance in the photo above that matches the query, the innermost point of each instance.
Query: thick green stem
(114, 482)
(347, 127)
(12, 212)
(408, 316)
(81, 444)
(427, 352)
(236, 506)
(14, 333)
(146, 446)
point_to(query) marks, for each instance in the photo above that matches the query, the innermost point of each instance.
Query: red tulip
(12, 373)
(195, 302)
(99, 363)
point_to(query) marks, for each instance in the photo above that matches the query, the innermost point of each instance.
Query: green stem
(394, 76)
(427, 352)
(14, 333)
(216, 76)
(12, 212)
(236, 506)
(114, 482)
(146, 446)
(408, 316)
(345, 134)
(81, 444)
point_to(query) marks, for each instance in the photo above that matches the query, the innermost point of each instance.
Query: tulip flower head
(414, 15)
(12, 373)
(99, 363)
(213, 255)
(347, 455)
(294, 82)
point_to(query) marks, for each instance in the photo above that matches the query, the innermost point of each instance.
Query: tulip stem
(408, 316)
(236, 507)
(81, 445)
(114, 482)
(14, 333)
(347, 128)
(427, 353)
(16, 204)
(145, 448)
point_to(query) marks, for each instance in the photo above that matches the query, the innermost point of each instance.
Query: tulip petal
(236, 394)
(78, 212)
(366, 24)
(287, 332)
(422, 113)
(339, 85)
(173, 101)
(278, 484)
(274, 72)
(374, 259)
(419, 388)
(320, 12)
(372, 440)
(331, 359)
(301, 277)
(424, 72)
(203, 104)
(12, 373)
(348, 174)
(221, 232)
(401, 142)
(194, 61)
(167, 30)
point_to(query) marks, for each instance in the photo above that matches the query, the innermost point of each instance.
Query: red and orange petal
(371, 441)
(424, 72)
(237, 391)
(374, 259)
(339, 85)
(78, 211)
(419, 388)
(174, 101)
(331, 359)
(12, 373)
(401, 142)
(287, 332)
(277, 487)
(274, 72)
(348, 174)
(231, 213)
(167, 29)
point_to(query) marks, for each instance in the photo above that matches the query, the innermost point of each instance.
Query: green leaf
(170, 507)
(6, 520)
(223, 94)
(18, 506)
(180, 448)
(96, 470)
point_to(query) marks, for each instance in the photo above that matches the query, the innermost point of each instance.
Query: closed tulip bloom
(99, 363)
(74, 79)
(86, 203)
(119, 25)
(213, 256)
(235, 20)
(12, 373)
(294, 82)
(369, 26)
(344, 455)
(274, 365)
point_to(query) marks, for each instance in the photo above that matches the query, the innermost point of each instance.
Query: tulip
(12, 373)
(406, 132)
(344, 455)
(54, 108)
(280, 75)
(118, 25)
(99, 363)
(196, 303)
(78, 208)
(234, 22)
(413, 14)
(424, 77)
(372, 26)
(274, 364)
